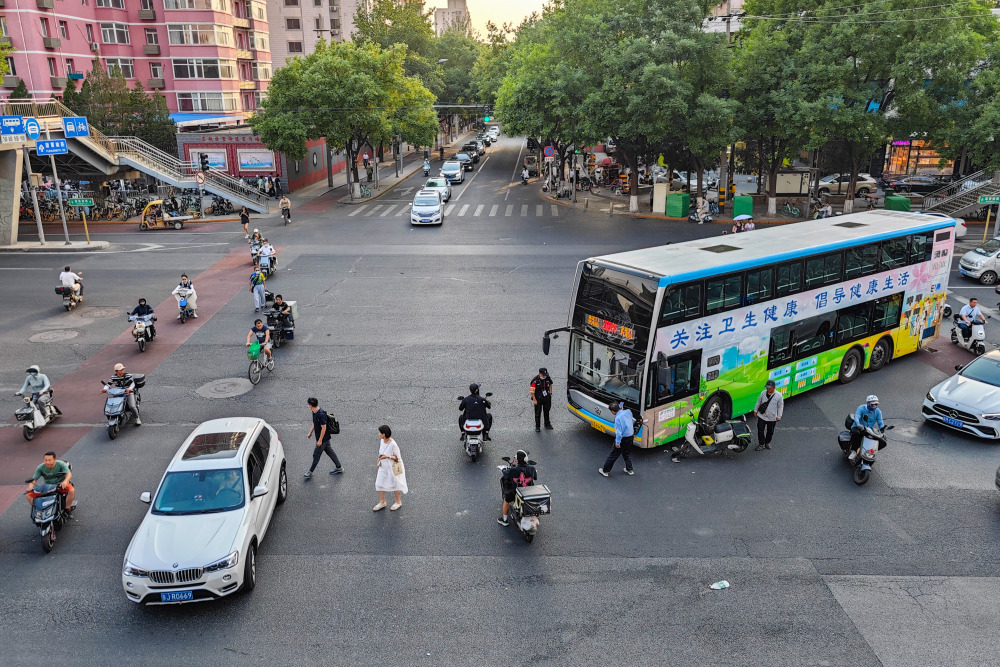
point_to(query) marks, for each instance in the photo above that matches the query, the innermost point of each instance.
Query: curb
(91, 223)
(57, 246)
(650, 216)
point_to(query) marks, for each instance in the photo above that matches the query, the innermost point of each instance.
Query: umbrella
(606, 161)
(742, 217)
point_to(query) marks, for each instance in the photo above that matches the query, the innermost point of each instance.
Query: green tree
(20, 91)
(461, 51)
(493, 61)
(387, 23)
(348, 93)
(70, 97)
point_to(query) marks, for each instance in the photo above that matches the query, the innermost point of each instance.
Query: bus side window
(814, 335)
(677, 377)
(759, 285)
(886, 313)
(681, 303)
(861, 261)
(789, 279)
(920, 248)
(780, 351)
(724, 293)
(852, 323)
(893, 253)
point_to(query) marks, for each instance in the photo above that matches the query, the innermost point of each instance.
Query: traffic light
(203, 161)
(487, 117)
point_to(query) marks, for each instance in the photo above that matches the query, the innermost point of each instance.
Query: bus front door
(672, 391)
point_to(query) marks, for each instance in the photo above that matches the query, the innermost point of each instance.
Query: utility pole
(55, 177)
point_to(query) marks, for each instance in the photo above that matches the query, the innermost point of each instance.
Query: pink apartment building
(210, 58)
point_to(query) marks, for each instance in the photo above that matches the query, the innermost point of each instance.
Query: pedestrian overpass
(99, 156)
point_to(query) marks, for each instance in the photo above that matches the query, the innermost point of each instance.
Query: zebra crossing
(460, 210)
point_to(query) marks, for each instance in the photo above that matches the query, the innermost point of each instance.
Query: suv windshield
(984, 369)
(425, 200)
(200, 492)
(463, 156)
(988, 248)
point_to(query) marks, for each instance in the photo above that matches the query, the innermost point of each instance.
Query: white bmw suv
(199, 539)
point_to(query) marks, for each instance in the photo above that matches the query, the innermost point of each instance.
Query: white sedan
(199, 539)
(441, 186)
(969, 401)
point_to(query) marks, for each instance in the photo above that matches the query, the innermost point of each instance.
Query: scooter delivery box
(537, 499)
(294, 305)
(139, 379)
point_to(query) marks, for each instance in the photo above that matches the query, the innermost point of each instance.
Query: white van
(983, 263)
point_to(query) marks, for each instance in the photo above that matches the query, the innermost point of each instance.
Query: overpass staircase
(960, 198)
(111, 154)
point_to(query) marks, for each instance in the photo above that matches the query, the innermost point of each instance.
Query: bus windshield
(614, 306)
(612, 371)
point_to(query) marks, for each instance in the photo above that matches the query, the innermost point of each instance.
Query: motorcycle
(872, 440)
(530, 502)
(116, 408)
(143, 329)
(474, 430)
(427, 168)
(694, 217)
(732, 435)
(69, 297)
(34, 417)
(975, 343)
(185, 309)
(282, 330)
(268, 265)
(255, 251)
(48, 512)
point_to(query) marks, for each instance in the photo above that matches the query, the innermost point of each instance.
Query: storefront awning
(189, 119)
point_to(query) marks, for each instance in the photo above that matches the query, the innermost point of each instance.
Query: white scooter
(474, 431)
(977, 337)
(530, 502)
(33, 417)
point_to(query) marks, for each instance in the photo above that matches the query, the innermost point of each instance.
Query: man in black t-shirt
(541, 397)
(321, 427)
(519, 473)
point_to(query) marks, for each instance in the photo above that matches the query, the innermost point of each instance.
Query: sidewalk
(56, 246)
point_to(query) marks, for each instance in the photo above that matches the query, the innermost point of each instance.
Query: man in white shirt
(72, 280)
(969, 314)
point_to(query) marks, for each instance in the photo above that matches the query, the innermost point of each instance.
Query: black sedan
(921, 184)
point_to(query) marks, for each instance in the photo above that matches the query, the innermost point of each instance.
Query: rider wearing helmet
(519, 473)
(475, 406)
(868, 414)
(38, 384)
(144, 309)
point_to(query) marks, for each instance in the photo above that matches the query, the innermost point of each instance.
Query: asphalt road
(394, 323)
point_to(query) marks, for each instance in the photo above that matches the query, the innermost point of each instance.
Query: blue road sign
(32, 129)
(51, 147)
(75, 127)
(11, 125)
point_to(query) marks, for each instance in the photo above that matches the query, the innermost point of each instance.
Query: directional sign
(51, 147)
(32, 129)
(200, 177)
(989, 199)
(81, 201)
(75, 127)
(549, 151)
(11, 125)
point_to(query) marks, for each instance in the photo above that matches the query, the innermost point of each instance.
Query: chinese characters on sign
(610, 327)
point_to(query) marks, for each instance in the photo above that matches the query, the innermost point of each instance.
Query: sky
(498, 11)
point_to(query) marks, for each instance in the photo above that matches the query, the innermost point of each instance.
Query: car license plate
(425, 219)
(953, 422)
(962, 271)
(176, 596)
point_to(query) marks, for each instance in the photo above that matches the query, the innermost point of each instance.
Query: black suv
(472, 150)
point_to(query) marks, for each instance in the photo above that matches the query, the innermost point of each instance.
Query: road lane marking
(375, 208)
(524, 210)
(451, 207)
(357, 210)
(404, 209)
(555, 211)
(538, 210)
(388, 210)
(479, 210)
(466, 188)
(463, 210)
(493, 210)
(517, 163)
(510, 209)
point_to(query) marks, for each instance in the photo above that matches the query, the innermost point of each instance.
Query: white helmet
(872, 398)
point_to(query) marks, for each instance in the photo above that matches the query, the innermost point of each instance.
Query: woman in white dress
(388, 453)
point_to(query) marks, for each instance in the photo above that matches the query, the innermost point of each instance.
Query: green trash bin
(678, 205)
(742, 205)
(888, 192)
(897, 203)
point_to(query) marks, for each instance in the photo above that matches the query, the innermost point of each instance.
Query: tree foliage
(20, 91)
(386, 23)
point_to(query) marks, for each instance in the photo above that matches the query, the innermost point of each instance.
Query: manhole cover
(915, 434)
(56, 336)
(224, 388)
(97, 313)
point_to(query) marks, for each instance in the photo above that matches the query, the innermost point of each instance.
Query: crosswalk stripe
(375, 208)
(555, 211)
(524, 210)
(357, 210)
(463, 210)
(451, 207)
(388, 210)
(493, 210)
(510, 209)
(479, 209)
(402, 210)
(538, 211)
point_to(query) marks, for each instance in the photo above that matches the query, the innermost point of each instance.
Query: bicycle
(256, 365)
(788, 209)
(363, 191)
(285, 215)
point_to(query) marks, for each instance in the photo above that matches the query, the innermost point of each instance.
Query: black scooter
(530, 502)
(862, 459)
(49, 512)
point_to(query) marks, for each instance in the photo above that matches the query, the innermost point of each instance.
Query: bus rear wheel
(880, 355)
(850, 366)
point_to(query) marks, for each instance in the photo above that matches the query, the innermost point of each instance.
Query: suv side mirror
(258, 491)
(145, 497)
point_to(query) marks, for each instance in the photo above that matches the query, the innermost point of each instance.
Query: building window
(204, 68)
(291, 3)
(335, 24)
(295, 47)
(10, 66)
(52, 66)
(63, 30)
(45, 27)
(126, 65)
(152, 37)
(217, 5)
(146, 4)
(111, 4)
(156, 70)
(293, 24)
(90, 33)
(207, 101)
(70, 69)
(259, 11)
(258, 40)
(200, 34)
(114, 33)
(261, 71)
(3, 27)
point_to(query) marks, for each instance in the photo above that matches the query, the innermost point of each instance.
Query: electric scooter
(975, 342)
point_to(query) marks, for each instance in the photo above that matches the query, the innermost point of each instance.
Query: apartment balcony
(239, 22)
(4, 39)
(246, 84)
(243, 54)
(11, 81)
(158, 84)
(51, 42)
(58, 82)
(147, 14)
(45, 4)
(151, 49)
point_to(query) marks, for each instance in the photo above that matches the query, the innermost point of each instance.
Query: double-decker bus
(702, 325)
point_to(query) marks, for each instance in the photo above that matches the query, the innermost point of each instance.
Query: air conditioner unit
(94, 46)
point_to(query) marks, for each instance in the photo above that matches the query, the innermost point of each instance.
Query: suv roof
(201, 450)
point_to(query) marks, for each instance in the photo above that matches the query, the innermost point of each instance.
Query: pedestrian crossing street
(461, 210)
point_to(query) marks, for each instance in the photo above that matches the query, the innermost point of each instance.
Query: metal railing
(955, 187)
(962, 195)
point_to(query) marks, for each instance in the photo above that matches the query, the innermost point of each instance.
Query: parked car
(471, 150)
(960, 228)
(453, 171)
(211, 511)
(916, 184)
(441, 186)
(466, 160)
(968, 401)
(427, 208)
(982, 263)
(837, 184)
